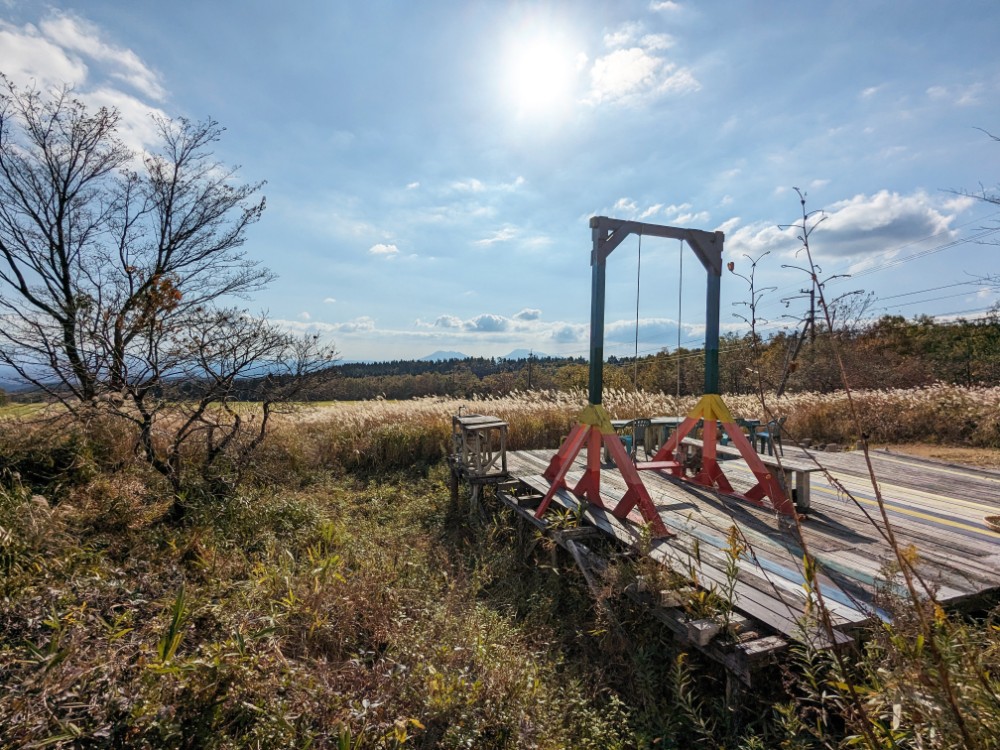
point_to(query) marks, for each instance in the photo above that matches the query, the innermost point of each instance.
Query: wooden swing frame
(594, 430)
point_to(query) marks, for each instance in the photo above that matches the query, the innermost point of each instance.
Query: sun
(540, 74)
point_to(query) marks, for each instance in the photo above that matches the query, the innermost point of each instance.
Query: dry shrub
(940, 413)
(112, 503)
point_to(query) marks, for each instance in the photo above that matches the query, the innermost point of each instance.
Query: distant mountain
(524, 354)
(440, 356)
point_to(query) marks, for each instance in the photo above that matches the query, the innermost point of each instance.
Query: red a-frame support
(712, 410)
(594, 430)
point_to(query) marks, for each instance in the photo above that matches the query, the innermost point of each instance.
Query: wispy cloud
(383, 249)
(28, 58)
(67, 50)
(506, 234)
(626, 205)
(960, 96)
(471, 185)
(79, 35)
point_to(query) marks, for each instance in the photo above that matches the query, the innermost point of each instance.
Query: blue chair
(640, 430)
(770, 437)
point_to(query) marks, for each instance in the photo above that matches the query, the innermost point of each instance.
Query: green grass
(21, 411)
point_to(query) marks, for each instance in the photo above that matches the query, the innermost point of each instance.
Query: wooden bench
(794, 475)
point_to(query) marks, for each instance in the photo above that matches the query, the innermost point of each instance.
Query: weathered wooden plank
(784, 615)
(957, 554)
(792, 581)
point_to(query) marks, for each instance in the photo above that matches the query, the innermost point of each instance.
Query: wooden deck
(937, 508)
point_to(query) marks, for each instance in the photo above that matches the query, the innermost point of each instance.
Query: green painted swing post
(607, 234)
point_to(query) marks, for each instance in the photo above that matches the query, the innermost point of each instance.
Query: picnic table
(663, 426)
(667, 424)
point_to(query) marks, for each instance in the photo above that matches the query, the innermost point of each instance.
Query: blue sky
(431, 166)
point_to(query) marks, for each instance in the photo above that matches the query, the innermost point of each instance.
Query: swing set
(594, 428)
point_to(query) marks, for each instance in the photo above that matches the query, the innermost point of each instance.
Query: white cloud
(655, 331)
(501, 235)
(635, 69)
(489, 323)
(960, 96)
(665, 5)
(364, 323)
(137, 127)
(626, 205)
(412, 185)
(490, 334)
(759, 237)
(882, 216)
(472, 185)
(329, 300)
(622, 74)
(448, 321)
(78, 35)
(869, 228)
(959, 203)
(870, 92)
(27, 58)
(383, 249)
(569, 333)
(693, 219)
(657, 42)
(626, 34)
(66, 50)
(729, 224)
(305, 316)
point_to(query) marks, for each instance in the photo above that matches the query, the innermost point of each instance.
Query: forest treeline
(890, 352)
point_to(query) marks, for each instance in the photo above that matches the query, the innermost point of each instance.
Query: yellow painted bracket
(595, 415)
(711, 407)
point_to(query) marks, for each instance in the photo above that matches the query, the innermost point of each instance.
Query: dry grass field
(337, 599)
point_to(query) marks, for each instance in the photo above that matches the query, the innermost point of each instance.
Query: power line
(932, 289)
(923, 301)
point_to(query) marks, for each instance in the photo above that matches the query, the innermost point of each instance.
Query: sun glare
(540, 72)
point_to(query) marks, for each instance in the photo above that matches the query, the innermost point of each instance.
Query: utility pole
(531, 356)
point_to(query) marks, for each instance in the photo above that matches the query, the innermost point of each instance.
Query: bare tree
(112, 267)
